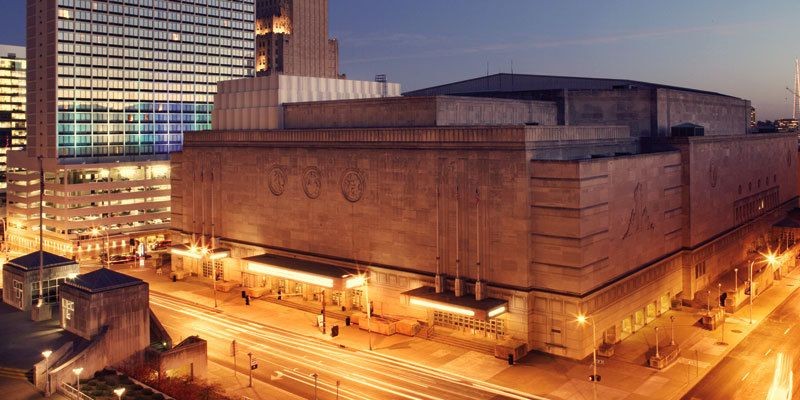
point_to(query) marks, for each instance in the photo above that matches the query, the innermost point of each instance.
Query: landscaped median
(105, 382)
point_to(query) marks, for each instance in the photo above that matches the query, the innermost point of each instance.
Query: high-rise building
(292, 39)
(112, 89)
(12, 105)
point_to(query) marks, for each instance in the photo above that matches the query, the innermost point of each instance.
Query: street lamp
(752, 292)
(119, 392)
(95, 233)
(672, 328)
(582, 320)
(657, 354)
(46, 355)
(736, 288)
(77, 372)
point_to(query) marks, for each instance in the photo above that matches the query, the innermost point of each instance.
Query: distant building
(292, 39)
(786, 125)
(112, 87)
(12, 106)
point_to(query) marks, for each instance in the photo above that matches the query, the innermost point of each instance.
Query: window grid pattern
(134, 75)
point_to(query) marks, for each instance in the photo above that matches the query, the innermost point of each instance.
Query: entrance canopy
(427, 297)
(198, 252)
(310, 272)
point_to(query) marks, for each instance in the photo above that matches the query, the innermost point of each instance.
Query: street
(747, 371)
(289, 361)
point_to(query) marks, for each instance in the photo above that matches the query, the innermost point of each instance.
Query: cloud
(534, 43)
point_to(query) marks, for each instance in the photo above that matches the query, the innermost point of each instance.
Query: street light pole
(46, 355)
(672, 328)
(369, 312)
(77, 372)
(582, 319)
(250, 364)
(752, 292)
(736, 288)
(657, 354)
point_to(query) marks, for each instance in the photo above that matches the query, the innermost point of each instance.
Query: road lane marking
(787, 330)
(767, 353)
(745, 376)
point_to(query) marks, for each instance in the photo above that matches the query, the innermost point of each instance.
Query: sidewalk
(624, 376)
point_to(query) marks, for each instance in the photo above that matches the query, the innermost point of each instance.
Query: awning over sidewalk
(427, 297)
(198, 252)
(310, 272)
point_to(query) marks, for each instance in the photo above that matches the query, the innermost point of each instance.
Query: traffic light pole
(250, 357)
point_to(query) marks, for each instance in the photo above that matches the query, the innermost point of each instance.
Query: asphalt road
(747, 371)
(288, 360)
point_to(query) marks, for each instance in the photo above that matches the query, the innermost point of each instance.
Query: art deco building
(12, 105)
(112, 88)
(499, 218)
(292, 39)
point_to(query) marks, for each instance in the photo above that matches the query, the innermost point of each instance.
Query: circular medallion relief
(277, 180)
(312, 182)
(353, 185)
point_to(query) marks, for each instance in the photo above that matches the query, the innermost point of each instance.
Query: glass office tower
(12, 106)
(112, 87)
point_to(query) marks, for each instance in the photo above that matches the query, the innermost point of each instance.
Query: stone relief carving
(639, 219)
(353, 185)
(312, 182)
(276, 177)
(713, 174)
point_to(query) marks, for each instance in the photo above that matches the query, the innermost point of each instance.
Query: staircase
(477, 345)
(15, 373)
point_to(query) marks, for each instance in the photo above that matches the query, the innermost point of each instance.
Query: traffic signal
(594, 378)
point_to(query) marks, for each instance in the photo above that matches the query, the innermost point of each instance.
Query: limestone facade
(563, 219)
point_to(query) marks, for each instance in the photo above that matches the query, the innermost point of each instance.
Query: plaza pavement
(624, 375)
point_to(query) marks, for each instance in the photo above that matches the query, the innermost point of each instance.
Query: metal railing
(72, 392)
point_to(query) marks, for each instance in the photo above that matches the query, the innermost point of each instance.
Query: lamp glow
(442, 307)
(497, 311)
(47, 353)
(217, 256)
(289, 274)
(185, 253)
(355, 281)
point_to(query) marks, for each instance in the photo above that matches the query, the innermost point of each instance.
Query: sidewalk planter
(408, 327)
(226, 286)
(510, 347)
(256, 292)
(712, 319)
(666, 356)
(179, 275)
(606, 350)
(378, 325)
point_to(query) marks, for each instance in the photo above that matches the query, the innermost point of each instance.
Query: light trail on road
(292, 359)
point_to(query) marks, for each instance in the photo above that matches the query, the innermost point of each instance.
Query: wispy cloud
(538, 43)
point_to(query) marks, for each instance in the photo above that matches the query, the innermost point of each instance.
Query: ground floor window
(217, 265)
(18, 292)
(493, 327)
(49, 291)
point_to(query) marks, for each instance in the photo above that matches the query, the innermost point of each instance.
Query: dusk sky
(742, 48)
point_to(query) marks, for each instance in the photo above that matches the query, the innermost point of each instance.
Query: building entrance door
(626, 328)
(651, 312)
(638, 320)
(665, 303)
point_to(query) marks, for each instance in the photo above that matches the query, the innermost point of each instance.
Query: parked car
(162, 245)
(145, 256)
(121, 258)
